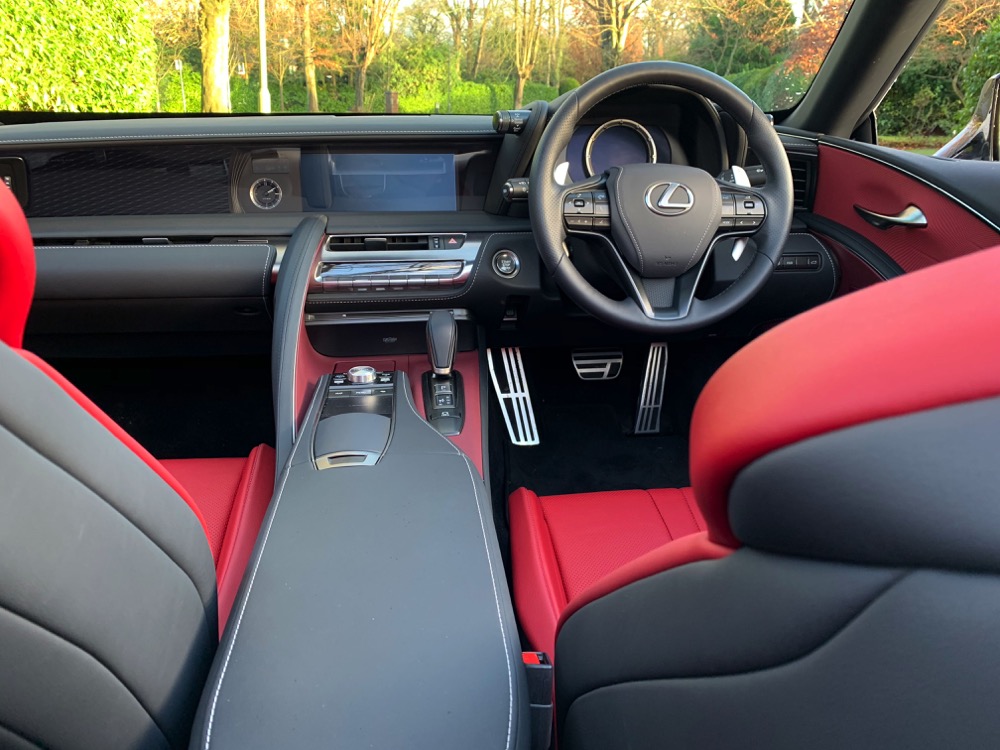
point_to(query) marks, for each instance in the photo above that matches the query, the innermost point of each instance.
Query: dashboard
(177, 226)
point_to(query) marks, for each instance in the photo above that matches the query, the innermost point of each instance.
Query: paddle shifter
(443, 399)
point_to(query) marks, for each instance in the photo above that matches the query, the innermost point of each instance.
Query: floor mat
(183, 408)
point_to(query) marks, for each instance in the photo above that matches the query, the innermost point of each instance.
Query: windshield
(408, 56)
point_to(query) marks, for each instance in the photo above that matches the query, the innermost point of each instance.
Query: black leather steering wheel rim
(546, 195)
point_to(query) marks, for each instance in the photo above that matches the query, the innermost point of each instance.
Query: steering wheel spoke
(668, 299)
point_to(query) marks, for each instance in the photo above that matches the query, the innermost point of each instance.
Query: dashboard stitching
(628, 227)
(268, 262)
(241, 136)
(479, 265)
(243, 606)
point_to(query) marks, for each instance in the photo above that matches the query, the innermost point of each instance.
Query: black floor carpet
(210, 407)
(586, 427)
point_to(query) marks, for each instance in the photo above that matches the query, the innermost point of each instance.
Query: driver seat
(845, 589)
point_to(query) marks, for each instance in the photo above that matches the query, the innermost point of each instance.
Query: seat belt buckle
(539, 673)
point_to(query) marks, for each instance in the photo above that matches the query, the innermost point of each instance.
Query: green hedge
(95, 56)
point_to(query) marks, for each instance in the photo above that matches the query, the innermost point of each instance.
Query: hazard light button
(452, 241)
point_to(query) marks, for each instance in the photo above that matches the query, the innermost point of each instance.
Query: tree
(309, 57)
(667, 27)
(614, 19)
(527, 30)
(820, 24)
(213, 22)
(365, 30)
(176, 27)
(735, 35)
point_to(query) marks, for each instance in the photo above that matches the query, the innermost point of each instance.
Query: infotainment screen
(380, 182)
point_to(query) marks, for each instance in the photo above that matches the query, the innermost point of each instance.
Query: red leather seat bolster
(17, 269)
(253, 496)
(538, 588)
(564, 544)
(233, 494)
(109, 424)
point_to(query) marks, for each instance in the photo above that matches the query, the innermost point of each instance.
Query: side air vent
(385, 242)
(804, 179)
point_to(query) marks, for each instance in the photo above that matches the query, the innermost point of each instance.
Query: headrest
(17, 269)
(835, 396)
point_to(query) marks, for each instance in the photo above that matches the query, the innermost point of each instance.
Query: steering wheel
(660, 222)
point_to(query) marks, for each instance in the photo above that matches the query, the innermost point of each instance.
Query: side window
(938, 93)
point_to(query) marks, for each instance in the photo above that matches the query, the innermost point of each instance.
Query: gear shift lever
(444, 400)
(442, 337)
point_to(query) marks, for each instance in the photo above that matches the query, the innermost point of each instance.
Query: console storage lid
(375, 612)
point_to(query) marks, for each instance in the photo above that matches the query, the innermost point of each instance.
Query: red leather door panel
(848, 179)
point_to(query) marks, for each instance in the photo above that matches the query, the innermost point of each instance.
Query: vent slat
(803, 180)
(348, 243)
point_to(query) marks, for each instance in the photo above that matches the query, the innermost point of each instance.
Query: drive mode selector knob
(362, 375)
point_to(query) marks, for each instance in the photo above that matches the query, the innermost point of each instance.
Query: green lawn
(918, 144)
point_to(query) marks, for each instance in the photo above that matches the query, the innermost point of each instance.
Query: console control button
(361, 375)
(579, 203)
(506, 264)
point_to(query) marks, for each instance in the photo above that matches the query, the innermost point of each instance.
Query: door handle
(911, 216)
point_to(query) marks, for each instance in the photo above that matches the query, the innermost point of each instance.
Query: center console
(375, 610)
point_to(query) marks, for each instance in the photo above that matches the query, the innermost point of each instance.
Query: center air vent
(359, 242)
(384, 242)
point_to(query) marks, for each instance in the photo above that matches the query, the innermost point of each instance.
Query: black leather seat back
(107, 586)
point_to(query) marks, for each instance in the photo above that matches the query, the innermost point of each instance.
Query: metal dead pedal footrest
(597, 365)
(647, 420)
(511, 387)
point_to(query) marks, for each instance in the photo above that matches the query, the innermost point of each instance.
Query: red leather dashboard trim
(311, 366)
(920, 341)
(847, 179)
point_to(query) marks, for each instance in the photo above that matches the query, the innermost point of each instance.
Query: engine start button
(506, 264)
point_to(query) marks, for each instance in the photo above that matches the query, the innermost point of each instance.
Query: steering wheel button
(602, 222)
(602, 209)
(601, 196)
(578, 222)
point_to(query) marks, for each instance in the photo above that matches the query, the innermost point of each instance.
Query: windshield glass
(409, 56)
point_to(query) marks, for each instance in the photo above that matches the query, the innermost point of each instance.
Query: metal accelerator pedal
(647, 420)
(511, 387)
(597, 365)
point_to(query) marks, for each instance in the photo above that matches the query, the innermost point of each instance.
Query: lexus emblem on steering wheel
(669, 198)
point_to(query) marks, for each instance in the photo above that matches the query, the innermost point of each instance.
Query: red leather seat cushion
(564, 544)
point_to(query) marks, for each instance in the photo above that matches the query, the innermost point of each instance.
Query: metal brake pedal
(647, 419)
(511, 387)
(597, 365)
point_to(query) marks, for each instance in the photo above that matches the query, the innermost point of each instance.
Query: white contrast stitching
(496, 596)
(628, 227)
(243, 608)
